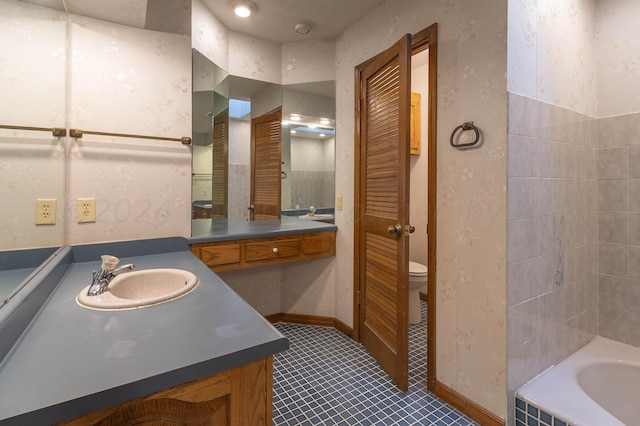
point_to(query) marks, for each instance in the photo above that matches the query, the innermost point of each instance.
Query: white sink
(138, 289)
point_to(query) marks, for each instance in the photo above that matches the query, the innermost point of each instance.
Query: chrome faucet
(312, 211)
(102, 278)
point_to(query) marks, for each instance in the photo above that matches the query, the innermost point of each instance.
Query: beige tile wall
(551, 273)
(618, 200)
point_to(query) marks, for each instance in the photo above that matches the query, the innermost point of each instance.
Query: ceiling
(273, 20)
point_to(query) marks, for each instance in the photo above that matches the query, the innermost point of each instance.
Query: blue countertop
(71, 360)
(210, 230)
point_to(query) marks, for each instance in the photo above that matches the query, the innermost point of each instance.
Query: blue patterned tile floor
(325, 378)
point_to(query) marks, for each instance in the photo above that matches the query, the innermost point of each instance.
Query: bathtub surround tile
(522, 323)
(634, 229)
(634, 328)
(528, 414)
(634, 295)
(613, 227)
(612, 195)
(523, 364)
(634, 261)
(634, 195)
(613, 163)
(634, 162)
(613, 292)
(613, 323)
(613, 132)
(551, 310)
(613, 259)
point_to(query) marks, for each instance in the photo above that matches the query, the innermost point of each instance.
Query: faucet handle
(109, 262)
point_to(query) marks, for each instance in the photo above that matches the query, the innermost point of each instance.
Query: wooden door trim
(422, 40)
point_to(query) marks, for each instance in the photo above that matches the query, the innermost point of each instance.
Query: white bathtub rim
(564, 398)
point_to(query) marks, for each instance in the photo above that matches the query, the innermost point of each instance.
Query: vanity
(227, 246)
(207, 353)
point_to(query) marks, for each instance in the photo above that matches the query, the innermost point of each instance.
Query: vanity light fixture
(243, 9)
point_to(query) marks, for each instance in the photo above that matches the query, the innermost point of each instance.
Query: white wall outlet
(86, 210)
(46, 211)
(338, 202)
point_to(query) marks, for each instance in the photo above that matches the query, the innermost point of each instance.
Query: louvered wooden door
(266, 166)
(383, 208)
(220, 169)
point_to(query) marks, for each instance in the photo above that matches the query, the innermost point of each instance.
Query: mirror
(308, 149)
(32, 162)
(224, 105)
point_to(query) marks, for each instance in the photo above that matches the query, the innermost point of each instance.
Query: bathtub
(599, 385)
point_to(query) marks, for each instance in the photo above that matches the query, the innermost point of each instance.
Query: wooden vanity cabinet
(240, 254)
(241, 396)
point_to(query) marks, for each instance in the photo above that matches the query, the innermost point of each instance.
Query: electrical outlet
(45, 211)
(86, 210)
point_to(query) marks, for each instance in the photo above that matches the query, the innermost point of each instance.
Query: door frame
(420, 41)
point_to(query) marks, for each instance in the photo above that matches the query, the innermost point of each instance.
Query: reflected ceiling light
(293, 132)
(322, 135)
(285, 123)
(295, 117)
(325, 121)
(243, 9)
(312, 126)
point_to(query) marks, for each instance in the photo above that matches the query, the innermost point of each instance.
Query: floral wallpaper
(133, 81)
(32, 163)
(552, 65)
(618, 57)
(471, 247)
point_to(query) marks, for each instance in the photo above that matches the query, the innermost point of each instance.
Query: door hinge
(358, 297)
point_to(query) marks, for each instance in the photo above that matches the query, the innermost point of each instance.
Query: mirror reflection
(32, 159)
(224, 107)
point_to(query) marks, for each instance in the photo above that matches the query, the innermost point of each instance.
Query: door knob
(409, 229)
(394, 229)
(250, 207)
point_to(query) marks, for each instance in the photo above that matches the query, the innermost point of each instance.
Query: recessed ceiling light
(243, 9)
(322, 135)
(293, 132)
(295, 117)
(303, 28)
(325, 121)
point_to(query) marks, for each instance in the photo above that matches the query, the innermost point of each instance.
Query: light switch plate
(338, 202)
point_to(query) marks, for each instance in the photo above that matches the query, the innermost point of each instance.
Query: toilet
(417, 280)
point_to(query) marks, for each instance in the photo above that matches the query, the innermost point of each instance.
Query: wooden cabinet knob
(275, 250)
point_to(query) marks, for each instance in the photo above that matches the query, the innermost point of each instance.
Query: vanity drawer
(319, 243)
(272, 249)
(220, 255)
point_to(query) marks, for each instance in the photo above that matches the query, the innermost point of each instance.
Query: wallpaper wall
(550, 52)
(133, 81)
(472, 64)
(618, 57)
(32, 163)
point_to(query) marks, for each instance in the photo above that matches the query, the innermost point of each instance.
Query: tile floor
(327, 379)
